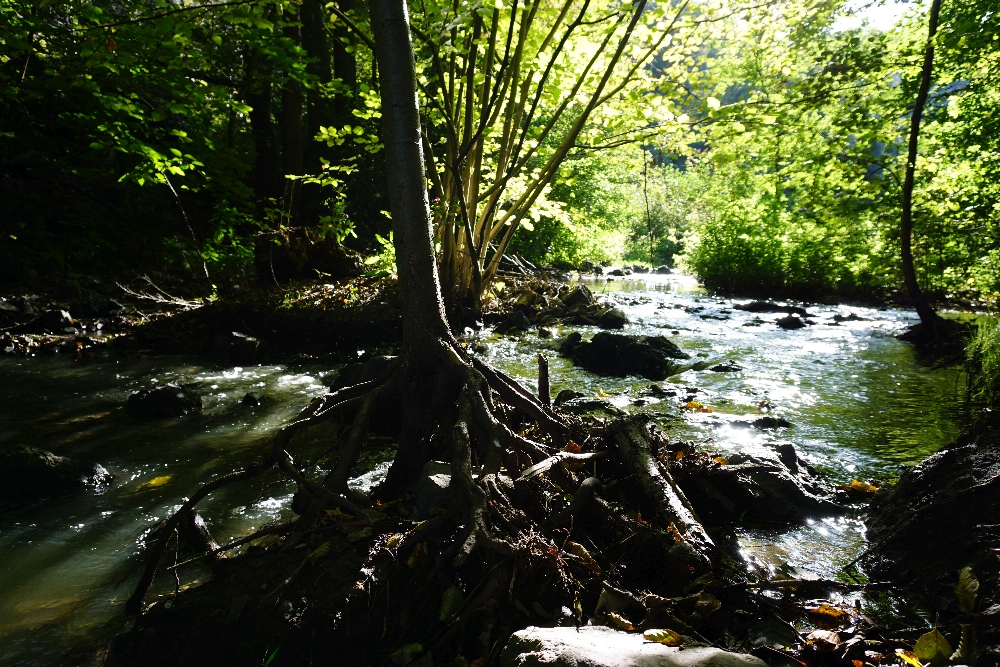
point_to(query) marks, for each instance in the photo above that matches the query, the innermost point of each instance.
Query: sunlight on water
(860, 404)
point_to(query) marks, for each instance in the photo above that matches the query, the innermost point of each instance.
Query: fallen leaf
(823, 640)
(572, 447)
(706, 604)
(620, 621)
(664, 636)
(405, 654)
(419, 553)
(319, 552)
(828, 617)
(479, 662)
(393, 541)
(858, 663)
(721, 461)
(693, 405)
(909, 658)
(967, 589)
(451, 602)
(157, 481)
(858, 485)
(932, 647)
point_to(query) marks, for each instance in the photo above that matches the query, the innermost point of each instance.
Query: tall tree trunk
(428, 384)
(345, 68)
(924, 309)
(291, 134)
(318, 108)
(258, 97)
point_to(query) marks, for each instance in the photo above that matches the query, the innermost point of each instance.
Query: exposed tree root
(547, 519)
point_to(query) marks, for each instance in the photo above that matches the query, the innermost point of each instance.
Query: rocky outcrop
(774, 487)
(543, 304)
(940, 516)
(599, 646)
(170, 400)
(27, 473)
(651, 357)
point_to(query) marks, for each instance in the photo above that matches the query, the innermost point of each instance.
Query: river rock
(170, 400)
(28, 472)
(620, 355)
(599, 646)
(566, 395)
(578, 296)
(941, 515)
(612, 319)
(770, 307)
(728, 366)
(773, 487)
(790, 322)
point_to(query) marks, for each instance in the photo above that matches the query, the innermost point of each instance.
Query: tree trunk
(427, 385)
(258, 97)
(926, 312)
(318, 107)
(291, 135)
(345, 68)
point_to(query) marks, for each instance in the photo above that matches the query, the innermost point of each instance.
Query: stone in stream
(770, 307)
(566, 395)
(617, 354)
(170, 400)
(599, 646)
(763, 423)
(727, 366)
(791, 322)
(28, 473)
(774, 487)
(942, 515)
(612, 319)
(578, 296)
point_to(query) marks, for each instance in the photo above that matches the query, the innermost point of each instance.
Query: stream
(860, 405)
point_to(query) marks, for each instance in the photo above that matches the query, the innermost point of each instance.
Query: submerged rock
(771, 488)
(599, 646)
(612, 319)
(763, 423)
(790, 322)
(566, 395)
(578, 296)
(770, 307)
(28, 472)
(170, 400)
(617, 354)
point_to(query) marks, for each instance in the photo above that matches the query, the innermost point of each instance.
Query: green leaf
(451, 602)
(933, 648)
(967, 589)
(713, 103)
(527, 225)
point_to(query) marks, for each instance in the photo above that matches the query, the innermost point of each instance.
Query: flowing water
(860, 403)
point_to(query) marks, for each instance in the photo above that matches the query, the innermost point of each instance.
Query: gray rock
(771, 488)
(433, 488)
(578, 296)
(612, 319)
(790, 322)
(170, 400)
(566, 395)
(728, 366)
(28, 472)
(770, 307)
(617, 354)
(598, 646)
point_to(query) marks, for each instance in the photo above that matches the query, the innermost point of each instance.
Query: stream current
(860, 405)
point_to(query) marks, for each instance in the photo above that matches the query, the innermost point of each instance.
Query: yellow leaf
(858, 485)
(908, 658)
(620, 621)
(693, 405)
(320, 551)
(158, 481)
(665, 636)
(828, 617)
(721, 461)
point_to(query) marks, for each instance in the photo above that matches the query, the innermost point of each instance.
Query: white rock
(599, 646)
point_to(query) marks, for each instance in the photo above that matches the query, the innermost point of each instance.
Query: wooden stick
(543, 381)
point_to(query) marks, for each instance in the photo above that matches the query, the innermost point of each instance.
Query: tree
(928, 317)
(445, 396)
